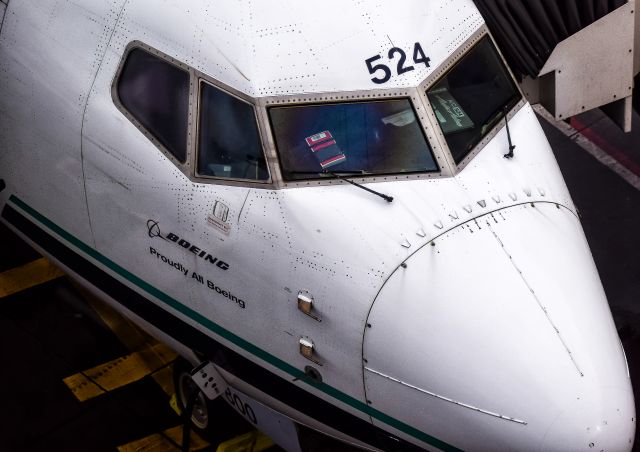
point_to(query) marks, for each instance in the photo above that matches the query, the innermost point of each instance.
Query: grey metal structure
(571, 56)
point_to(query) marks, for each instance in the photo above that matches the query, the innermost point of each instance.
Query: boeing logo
(153, 229)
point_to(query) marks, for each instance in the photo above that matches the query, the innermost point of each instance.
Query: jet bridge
(570, 56)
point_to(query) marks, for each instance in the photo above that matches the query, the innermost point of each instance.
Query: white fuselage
(465, 314)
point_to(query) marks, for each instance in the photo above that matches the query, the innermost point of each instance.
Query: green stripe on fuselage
(226, 334)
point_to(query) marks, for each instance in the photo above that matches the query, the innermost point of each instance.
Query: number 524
(418, 57)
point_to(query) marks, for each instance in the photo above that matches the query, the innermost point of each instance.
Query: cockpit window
(378, 137)
(229, 141)
(156, 93)
(472, 97)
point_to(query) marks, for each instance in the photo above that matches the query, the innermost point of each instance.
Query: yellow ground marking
(254, 441)
(164, 442)
(82, 387)
(131, 337)
(28, 275)
(127, 332)
(173, 403)
(119, 372)
(196, 443)
(149, 355)
(164, 378)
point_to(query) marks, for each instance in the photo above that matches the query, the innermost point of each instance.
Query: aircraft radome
(324, 201)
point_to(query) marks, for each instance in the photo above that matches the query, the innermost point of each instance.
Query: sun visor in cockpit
(527, 31)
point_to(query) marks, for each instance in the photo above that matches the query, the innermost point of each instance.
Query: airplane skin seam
(447, 399)
(538, 302)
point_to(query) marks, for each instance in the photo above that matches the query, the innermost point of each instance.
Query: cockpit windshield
(472, 97)
(351, 138)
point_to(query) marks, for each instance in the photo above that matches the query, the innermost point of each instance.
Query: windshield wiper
(341, 175)
(511, 145)
(492, 120)
(382, 195)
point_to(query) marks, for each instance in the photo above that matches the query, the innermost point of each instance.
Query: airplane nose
(603, 421)
(498, 336)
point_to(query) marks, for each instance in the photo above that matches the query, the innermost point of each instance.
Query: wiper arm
(511, 145)
(492, 120)
(341, 175)
(382, 195)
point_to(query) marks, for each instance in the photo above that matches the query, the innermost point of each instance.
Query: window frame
(186, 166)
(201, 79)
(411, 94)
(417, 97)
(367, 177)
(189, 167)
(441, 71)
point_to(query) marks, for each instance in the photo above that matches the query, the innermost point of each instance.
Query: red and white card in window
(326, 149)
(319, 138)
